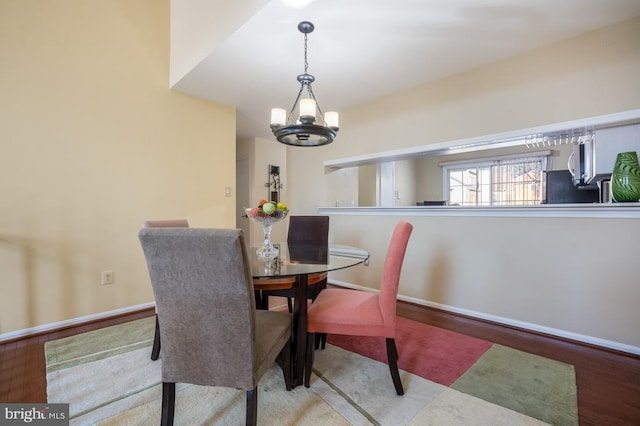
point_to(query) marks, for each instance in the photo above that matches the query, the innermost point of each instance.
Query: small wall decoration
(273, 183)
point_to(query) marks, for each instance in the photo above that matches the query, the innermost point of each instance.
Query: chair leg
(308, 363)
(252, 407)
(155, 352)
(321, 286)
(289, 305)
(321, 340)
(392, 358)
(260, 302)
(168, 403)
(284, 361)
(317, 340)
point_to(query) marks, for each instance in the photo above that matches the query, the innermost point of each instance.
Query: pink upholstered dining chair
(168, 223)
(360, 313)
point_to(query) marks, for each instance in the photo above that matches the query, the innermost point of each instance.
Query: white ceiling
(365, 49)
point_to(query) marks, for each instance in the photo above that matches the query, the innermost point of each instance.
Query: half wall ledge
(604, 211)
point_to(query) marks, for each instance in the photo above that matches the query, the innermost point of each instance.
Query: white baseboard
(71, 322)
(596, 341)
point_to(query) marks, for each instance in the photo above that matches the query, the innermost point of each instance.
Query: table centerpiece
(267, 213)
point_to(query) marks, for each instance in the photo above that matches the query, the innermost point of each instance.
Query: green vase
(625, 178)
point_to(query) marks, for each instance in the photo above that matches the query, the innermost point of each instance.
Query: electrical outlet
(107, 277)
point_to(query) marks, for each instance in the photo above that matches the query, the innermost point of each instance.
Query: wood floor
(608, 382)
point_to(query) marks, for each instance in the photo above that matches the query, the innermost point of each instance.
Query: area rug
(108, 378)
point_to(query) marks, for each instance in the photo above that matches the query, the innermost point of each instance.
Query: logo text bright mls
(49, 414)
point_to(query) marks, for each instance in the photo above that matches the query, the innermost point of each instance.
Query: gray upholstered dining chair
(212, 334)
(166, 223)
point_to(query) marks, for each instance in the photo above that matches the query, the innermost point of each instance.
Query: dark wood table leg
(299, 331)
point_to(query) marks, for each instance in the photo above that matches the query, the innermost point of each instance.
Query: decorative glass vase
(625, 178)
(268, 251)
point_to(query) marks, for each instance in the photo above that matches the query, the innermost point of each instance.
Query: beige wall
(405, 183)
(594, 74)
(367, 185)
(262, 153)
(93, 142)
(590, 75)
(567, 274)
(344, 184)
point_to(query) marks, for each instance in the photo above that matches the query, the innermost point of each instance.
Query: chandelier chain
(306, 63)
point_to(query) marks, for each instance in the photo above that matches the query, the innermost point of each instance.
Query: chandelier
(310, 127)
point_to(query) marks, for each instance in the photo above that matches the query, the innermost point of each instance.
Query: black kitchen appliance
(561, 189)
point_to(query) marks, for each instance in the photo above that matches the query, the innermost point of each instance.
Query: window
(499, 181)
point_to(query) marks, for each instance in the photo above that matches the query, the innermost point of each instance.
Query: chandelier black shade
(310, 127)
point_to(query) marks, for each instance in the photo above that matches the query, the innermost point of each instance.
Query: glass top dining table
(299, 261)
(296, 259)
